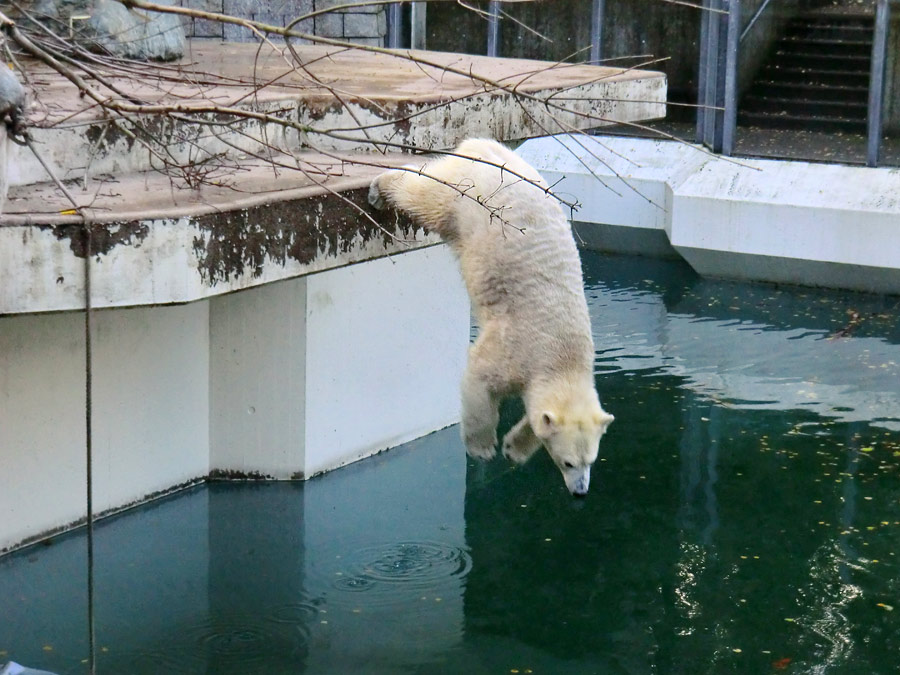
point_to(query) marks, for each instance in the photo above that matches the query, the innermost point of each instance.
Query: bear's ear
(548, 422)
(603, 419)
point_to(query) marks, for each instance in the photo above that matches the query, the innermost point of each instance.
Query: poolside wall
(284, 381)
(756, 220)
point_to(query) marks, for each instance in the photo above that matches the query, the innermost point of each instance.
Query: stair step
(840, 15)
(823, 27)
(819, 25)
(831, 47)
(808, 122)
(822, 61)
(814, 76)
(801, 26)
(805, 107)
(818, 92)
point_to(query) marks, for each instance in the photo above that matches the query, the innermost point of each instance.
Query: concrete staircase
(816, 78)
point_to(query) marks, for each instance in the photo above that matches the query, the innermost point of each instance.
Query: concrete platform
(757, 220)
(340, 99)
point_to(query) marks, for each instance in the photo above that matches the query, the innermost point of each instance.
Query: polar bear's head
(572, 437)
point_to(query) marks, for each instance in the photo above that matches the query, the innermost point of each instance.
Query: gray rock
(135, 34)
(12, 99)
(108, 26)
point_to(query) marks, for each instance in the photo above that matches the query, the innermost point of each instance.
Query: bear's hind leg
(520, 442)
(480, 415)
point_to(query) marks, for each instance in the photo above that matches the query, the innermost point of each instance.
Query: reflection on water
(745, 517)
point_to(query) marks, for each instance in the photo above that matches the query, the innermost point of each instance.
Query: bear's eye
(568, 465)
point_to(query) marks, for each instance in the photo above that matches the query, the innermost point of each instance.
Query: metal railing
(417, 25)
(874, 123)
(396, 38)
(753, 19)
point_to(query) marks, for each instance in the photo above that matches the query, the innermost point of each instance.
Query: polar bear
(523, 274)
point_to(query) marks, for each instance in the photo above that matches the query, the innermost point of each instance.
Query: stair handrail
(754, 19)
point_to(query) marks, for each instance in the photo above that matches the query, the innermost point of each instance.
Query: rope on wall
(88, 414)
(88, 400)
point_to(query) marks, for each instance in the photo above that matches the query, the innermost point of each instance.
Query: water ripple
(225, 642)
(418, 564)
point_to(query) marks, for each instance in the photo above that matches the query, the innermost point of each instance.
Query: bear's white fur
(523, 274)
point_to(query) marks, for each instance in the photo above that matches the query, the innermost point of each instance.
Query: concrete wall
(631, 28)
(150, 412)
(755, 49)
(284, 380)
(316, 372)
(257, 379)
(365, 25)
(386, 347)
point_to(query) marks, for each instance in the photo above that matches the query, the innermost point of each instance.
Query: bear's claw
(376, 199)
(480, 453)
(513, 454)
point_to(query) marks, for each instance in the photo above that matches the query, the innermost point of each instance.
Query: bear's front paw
(480, 452)
(518, 447)
(512, 453)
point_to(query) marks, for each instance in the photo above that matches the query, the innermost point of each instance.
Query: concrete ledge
(813, 224)
(759, 220)
(154, 246)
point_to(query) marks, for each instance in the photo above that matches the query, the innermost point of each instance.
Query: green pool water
(744, 517)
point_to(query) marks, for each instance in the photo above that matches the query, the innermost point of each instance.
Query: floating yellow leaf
(866, 449)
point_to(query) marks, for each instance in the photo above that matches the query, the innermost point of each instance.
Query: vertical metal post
(876, 82)
(702, 71)
(493, 40)
(395, 25)
(729, 122)
(713, 82)
(721, 62)
(417, 40)
(597, 12)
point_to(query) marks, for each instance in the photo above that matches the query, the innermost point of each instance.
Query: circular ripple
(299, 613)
(419, 562)
(354, 584)
(230, 642)
(245, 642)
